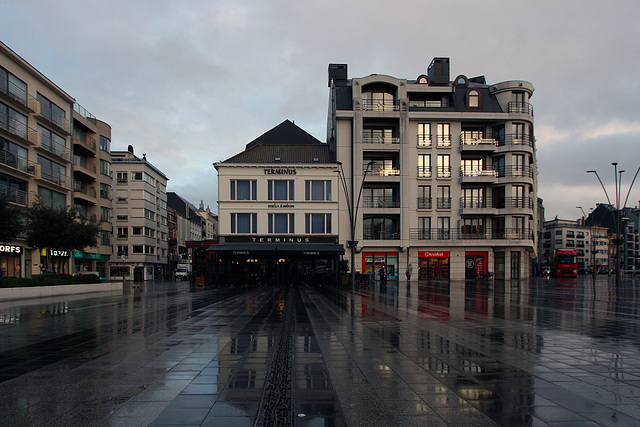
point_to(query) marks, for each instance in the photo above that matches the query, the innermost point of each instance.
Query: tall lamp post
(617, 215)
(352, 207)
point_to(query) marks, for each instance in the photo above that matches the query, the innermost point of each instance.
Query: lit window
(473, 99)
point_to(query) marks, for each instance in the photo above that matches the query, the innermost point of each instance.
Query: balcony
(380, 105)
(58, 121)
(468, 143)
(14, 195)
(17, 97)
(476, 205)
(379, 139)
(477, 175)
(425, 203)
(380, 202)
(14, 161)
(459, 235)
(515, 172)
(52, 177)
(87, 144)
(84, 192)
(519, 107)
(386, 171)
(46, 143)
(513, 203)
(371, 234)
(85, 167)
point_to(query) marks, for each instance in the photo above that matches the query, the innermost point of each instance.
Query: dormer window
(473, 99)
(461, 80)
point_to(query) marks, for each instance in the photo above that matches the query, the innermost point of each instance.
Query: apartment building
(210, 222)
(140, 205)
(590, 242)
(278, 210)
(93, 187)
(447, 170)
(35, 152)
(185, 224)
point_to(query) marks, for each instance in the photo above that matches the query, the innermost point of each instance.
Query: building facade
(93, 187)
(447, 170)
(590, 242)
(54, 150)
(141, 224)
(278, 211)
(625, 225)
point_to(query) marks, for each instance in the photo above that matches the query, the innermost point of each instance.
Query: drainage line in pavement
(276, 406)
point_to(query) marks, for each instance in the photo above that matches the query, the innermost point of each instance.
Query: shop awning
(291, 249)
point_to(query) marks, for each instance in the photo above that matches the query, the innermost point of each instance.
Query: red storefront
(433, 265)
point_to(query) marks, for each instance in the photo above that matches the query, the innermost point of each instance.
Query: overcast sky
(191, 82)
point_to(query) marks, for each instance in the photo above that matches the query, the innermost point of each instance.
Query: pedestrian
(383, 275)
(409, 272)
(436, 271)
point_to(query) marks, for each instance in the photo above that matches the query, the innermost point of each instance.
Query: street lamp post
(352, 207)
(617, 214)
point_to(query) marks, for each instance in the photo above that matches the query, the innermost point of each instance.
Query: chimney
(438, 71)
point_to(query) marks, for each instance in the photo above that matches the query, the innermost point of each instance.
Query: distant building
(210, 222)
(626, 227)
(590, 242)
(140, 217)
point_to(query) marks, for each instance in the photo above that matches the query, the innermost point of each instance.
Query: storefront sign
(55, 252)
(281, 205)
(274, 171)
(11, 249)
(433, 254)
(280, 239)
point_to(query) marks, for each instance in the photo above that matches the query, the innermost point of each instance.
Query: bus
(564, 263)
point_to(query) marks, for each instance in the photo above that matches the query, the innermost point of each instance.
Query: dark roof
(287, 153)
(182, 207)
(285, 143)
(285, 133)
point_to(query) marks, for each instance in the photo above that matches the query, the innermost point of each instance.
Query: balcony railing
(513, 203)
(81, 187)
(424, 104)
(443, 202)
(84, 164)
(14, 195)
(424, 141)
(515, 139)
(474, 202)
(444, 171)
(56, 178)
(15, 127)
(515, 171)
(466, 171)
(380, 202)
(489, 234)
(373, 139)
(519, 107)
(370, 234)
(469, 141)
(382, 171)
(87, 142)
(14, 161)
(424, 172)
(59, 150)
(425, 203)
(443, 141)
(379, 105)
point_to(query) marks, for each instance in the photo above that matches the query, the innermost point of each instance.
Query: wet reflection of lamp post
(617, 214)
(353, 211)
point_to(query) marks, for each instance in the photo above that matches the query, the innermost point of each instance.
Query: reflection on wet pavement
(545, 352)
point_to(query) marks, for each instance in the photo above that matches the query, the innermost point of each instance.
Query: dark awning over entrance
(290, 249)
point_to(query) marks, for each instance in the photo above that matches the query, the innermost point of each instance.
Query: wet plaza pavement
(542, 352)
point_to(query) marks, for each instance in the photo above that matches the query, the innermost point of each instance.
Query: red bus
(564, 263)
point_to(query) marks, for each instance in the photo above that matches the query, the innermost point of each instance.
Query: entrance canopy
(278, 249)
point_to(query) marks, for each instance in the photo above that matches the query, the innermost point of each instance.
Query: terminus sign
(279, 171)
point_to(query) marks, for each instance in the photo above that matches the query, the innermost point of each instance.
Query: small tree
(11, 220)
(59, 229)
